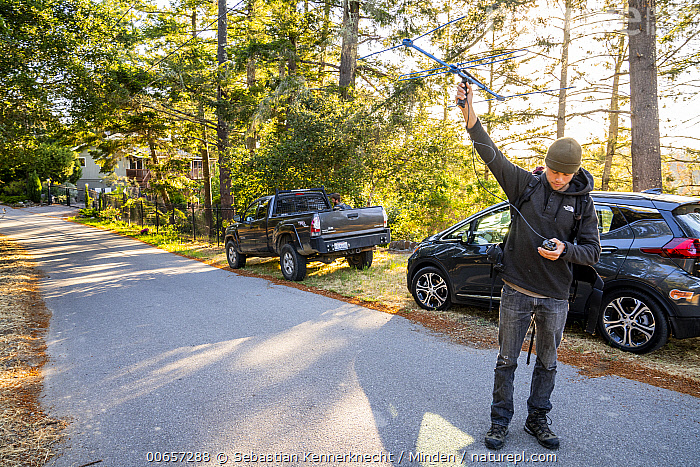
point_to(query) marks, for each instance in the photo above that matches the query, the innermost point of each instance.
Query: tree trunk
(646, 145)
(204, 151)
(156, 171)
(614, 115)
(222, 126)
(325, 35)
(564, 76)
(251, 79)
(348, 53)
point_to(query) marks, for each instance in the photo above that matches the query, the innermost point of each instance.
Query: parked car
(300, 226)
(650, 265)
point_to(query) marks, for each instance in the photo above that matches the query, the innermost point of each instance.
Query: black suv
(650, 264)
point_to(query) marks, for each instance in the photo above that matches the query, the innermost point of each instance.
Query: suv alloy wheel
(633, 321)
(430, 289)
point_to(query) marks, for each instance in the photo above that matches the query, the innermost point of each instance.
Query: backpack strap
(524, 196)
(581, 203)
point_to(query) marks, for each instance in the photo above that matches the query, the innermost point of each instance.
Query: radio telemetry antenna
(459, 69)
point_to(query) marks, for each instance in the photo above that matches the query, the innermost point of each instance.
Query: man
(536, 280)
(337, 204)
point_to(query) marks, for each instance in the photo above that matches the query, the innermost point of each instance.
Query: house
(132, 168)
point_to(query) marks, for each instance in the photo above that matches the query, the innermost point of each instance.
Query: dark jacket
(551, 214)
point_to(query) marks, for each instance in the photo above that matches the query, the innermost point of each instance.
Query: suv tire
(362, 260)
(235, 259)
(633, 321)
(431, 289)
(293, 265)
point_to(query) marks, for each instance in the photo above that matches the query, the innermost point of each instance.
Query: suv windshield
(688, 216)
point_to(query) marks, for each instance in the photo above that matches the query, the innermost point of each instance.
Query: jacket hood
(580, 184)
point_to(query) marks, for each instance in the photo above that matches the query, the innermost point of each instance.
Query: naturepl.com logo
(513, 457)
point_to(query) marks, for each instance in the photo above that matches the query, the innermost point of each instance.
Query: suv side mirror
(467, 237)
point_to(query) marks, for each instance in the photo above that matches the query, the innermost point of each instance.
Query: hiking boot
(496, 436)
(537, 424)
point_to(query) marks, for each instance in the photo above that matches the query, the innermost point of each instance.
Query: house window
(196, 164)
(82, 161)
(136, 164)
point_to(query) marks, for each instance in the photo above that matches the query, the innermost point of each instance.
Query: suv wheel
(363, 260)
(430, 289)
(293, 265)
(234, 258)
(632, 321)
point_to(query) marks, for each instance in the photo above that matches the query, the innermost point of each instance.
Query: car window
(300, 202)
(688, 216)
(637, 213)
(284, 206)
(262, 209)
(249, 215)
(609, 218)
(457, 233)
(492, 228)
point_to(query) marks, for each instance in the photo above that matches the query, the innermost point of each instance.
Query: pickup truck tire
(234, 258)
(361, 260)
(293, 265)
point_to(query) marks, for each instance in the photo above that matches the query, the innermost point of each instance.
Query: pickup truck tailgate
(351, 221)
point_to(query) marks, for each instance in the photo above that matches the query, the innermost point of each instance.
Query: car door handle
(608, 250)
(354, 215)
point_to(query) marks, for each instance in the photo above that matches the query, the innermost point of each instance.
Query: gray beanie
(564, 155)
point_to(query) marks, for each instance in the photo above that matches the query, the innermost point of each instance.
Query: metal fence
(62, 194)
(188, 221)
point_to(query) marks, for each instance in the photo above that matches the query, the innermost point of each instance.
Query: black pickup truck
(300, 226)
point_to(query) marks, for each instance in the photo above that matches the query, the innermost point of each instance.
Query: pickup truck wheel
(293, 265)
(362, 260)
(430, 289)
(234, 258)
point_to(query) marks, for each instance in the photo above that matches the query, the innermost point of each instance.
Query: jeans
(516, 310)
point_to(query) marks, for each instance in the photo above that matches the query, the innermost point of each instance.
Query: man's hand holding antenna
(465, 92)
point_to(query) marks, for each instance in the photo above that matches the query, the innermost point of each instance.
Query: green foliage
(319, 146)
(34, 187)
(52, 59)
(109, 214)
(15, 188)
(89, 213)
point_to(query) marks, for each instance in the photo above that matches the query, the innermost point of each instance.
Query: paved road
(151, 352)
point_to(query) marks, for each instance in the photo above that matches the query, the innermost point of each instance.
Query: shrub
(34, 187)
(89, 213)
(15, 188)
(109, 214)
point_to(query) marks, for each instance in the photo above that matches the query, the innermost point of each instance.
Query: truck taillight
(386, 218)
(316, 226)
(684, 248)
